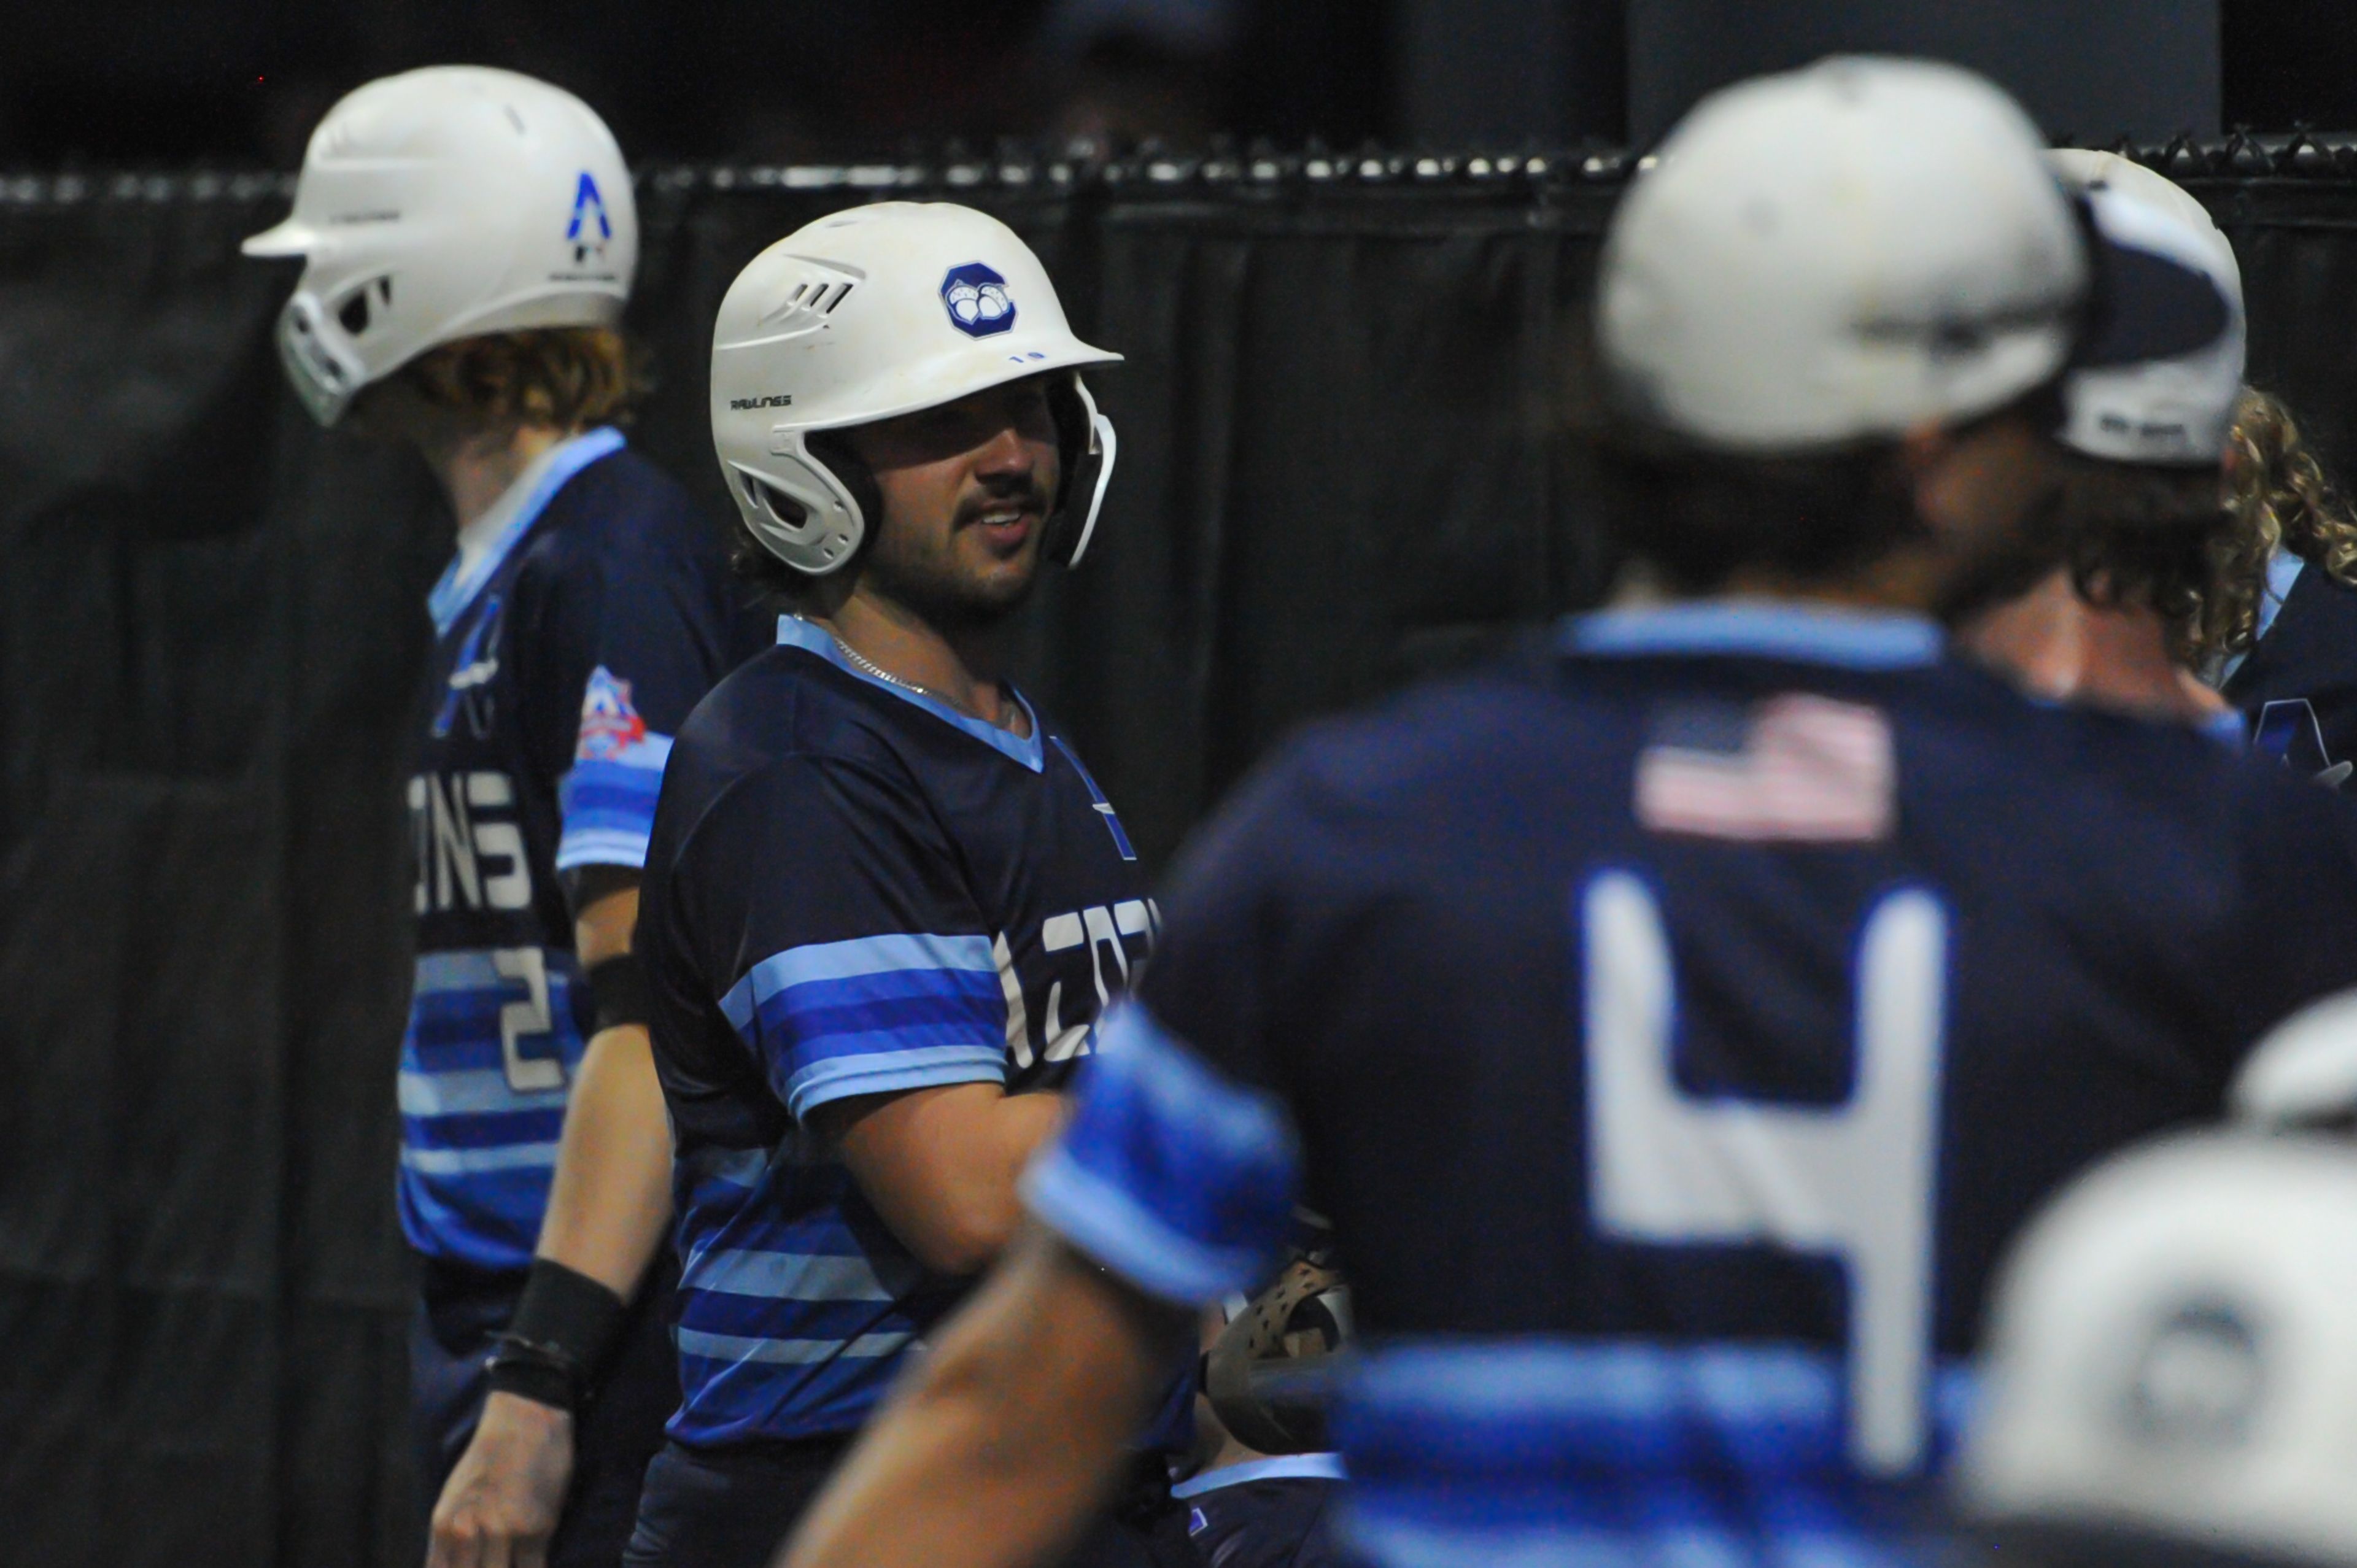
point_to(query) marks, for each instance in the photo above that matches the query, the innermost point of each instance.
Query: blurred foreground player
(2151, 556)
(1673, 1031)
(885, 902)
(2172, 1364)
(469, 239)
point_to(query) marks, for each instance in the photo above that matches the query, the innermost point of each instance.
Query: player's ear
(1924, 447)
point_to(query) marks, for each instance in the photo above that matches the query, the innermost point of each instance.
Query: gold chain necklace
(872, 668)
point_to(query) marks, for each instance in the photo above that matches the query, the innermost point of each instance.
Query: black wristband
(618, 986)
(555, 1346)
(529, 1371)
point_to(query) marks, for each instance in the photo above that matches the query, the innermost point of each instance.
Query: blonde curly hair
(2277, 495)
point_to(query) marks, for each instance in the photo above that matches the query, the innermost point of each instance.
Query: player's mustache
(1026, 495)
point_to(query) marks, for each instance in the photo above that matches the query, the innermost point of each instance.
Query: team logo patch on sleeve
(609, 726)
(1795, 768)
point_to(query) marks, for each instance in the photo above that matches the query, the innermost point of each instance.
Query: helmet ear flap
(1085, 441)
(801, 510)
(831, 451)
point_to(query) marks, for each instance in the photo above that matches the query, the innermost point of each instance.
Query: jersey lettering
(1100, 929)
(465, 858)
(1855, 1181)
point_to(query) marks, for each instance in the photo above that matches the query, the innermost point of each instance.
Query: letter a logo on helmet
(588, 205)
(977, 300)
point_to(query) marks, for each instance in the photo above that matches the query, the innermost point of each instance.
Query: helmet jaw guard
(321, 362)
(1089, 449)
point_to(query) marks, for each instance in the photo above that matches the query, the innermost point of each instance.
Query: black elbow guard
(618, 986)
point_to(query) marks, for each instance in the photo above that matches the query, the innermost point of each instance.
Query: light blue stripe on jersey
(478, 1153)
(1624, 1451)
(607, 805)
(459, 587)
(873, 1015)
(786, 1276)
(1855, 639)
(795, 1301)
(1031, 750)
(1174, 1176)
(1278, 1468)
(767, 1352)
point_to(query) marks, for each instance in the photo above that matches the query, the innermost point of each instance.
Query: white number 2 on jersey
(526, 1075)
(1855, 1181)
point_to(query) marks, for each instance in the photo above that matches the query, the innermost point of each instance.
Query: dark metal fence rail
(2299, 154)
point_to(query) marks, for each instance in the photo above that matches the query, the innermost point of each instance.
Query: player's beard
(928, 577)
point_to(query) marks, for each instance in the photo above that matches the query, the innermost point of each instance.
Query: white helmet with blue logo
(2170, 1364)
(445, 203)
(871, 313)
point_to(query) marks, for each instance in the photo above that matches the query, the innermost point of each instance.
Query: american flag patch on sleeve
(1795, 768)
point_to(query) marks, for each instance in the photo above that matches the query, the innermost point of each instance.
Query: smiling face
(967, 488)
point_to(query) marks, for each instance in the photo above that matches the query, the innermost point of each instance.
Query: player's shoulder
(786, 720)
(2311, 643)
(623, 514)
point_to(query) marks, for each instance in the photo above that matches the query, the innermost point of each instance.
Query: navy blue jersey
(2298, 686)
(853, 890)
(563, 659)
(1674, 1031)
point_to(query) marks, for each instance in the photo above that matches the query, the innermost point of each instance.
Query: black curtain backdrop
(1339, 466)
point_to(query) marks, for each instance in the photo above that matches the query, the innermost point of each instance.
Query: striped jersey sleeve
(861, 964)
(1180, 1169)
(631, 648)
(1176, 1177)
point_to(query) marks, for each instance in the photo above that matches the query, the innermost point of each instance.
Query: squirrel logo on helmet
(977, 300)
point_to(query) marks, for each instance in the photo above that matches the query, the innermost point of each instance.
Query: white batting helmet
(876, 312)
(2160, 378)
(1839, 253)
(2171, 1356)
(2303, 1073)
(445, 203)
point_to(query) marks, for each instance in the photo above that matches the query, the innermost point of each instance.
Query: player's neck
(964, 670)
(475, 471)
(1893, 585)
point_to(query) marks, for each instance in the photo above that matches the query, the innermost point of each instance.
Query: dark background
(240, 82)
(1341, 465)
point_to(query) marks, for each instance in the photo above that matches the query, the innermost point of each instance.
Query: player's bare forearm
(1002, 1441)
(940, 1165)
(610, 1198)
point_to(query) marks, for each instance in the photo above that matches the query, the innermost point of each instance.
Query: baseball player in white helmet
(2172, 1362)
(2143, 511)
(885, 903)
(468, 238)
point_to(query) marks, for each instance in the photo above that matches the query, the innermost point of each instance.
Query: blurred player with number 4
(1673, 1030)
(469, 238)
